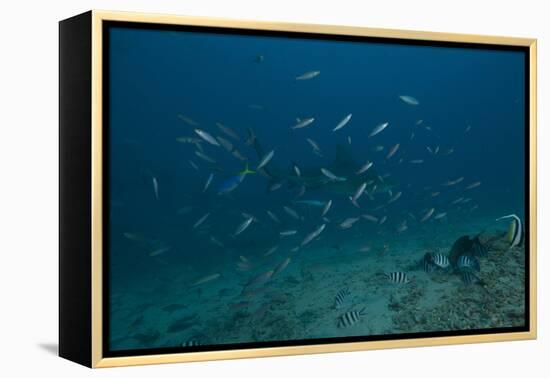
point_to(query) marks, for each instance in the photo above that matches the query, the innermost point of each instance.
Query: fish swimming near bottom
(441, 260)
(340, 298)
(397, 277)
(182, 324)
(191, 343)
(279, 268)
(206, 279)
(350, 318)
(427, 263)
(515, 231)
(313, 234)
(478, 248)
(470, 278)
(465, 262)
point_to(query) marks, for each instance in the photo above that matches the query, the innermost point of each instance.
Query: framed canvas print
(236, 189)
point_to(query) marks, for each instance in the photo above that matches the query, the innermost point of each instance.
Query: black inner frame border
(106, 27)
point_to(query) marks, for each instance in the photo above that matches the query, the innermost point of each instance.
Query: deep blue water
(159, 76)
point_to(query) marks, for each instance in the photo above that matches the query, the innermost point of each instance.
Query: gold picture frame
(92, 355)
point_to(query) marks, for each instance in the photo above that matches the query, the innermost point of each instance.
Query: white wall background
(28, 185)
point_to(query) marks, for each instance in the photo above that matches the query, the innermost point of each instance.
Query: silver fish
(392, 151)
(279, 268)
(326, 208)
(364, 168)
(192, 164)
(208, 182)
(243, 226)
(453, 182)
(331, 175)
(395, 197)
(378, 129)
(291, 212)
(227, 131)
(206, 279)
(440, 215)
(156, 188)
(303, 123)
(359, 192)
(187, 120)
(409, 100)
(273, 217)
(271, 250)
(383, 219)
(216, 242)
(265, 159)
(314, 145)
(370, 218)
(343, 122)
(205, 157)
(308, 75)
(201, 220)
(428, 214)
(207, 137)
(313, 235)
(474, 185)
(348, 223)
(288, 232)
(416, 161)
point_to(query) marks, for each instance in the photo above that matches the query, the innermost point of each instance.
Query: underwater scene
(274, 188)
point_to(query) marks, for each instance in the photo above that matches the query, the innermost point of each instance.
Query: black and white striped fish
(469, 278)
(465, 262)
(397, 277)
(478, 248)
(428, 263)
(515, 232)
(191, 343)
(340, 298)
(350, 318)
(441, 260)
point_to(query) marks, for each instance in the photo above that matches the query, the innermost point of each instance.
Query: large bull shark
(311, 178)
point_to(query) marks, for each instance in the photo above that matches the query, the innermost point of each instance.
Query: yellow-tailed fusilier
(515, 232)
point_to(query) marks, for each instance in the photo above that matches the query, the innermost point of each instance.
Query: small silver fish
(206, 279)
(208, 182)
(288, 233)
(201, 220)
(364, 168)
(187, 120)
(395, 197)
(207, 137)
(416, 161)
(156, 188)
(378, 129)
(313, 235)
(279, 268)
(326, 208)
(273, 217)
(331, 175)
(474, 185)
(192, 164)
(343, 122)
(297, 170)
(370, 218)
(291, 212)
(359, 192)
(440, 215)
(303, 123)
(453, 182)
(271, 250)
(392, 151)
(205, 157)
(228, 131)
(243, 226)
(348, 223)
(427, 216)
(308, 75)
(216, 242)
(265, 159)
(409, 100)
